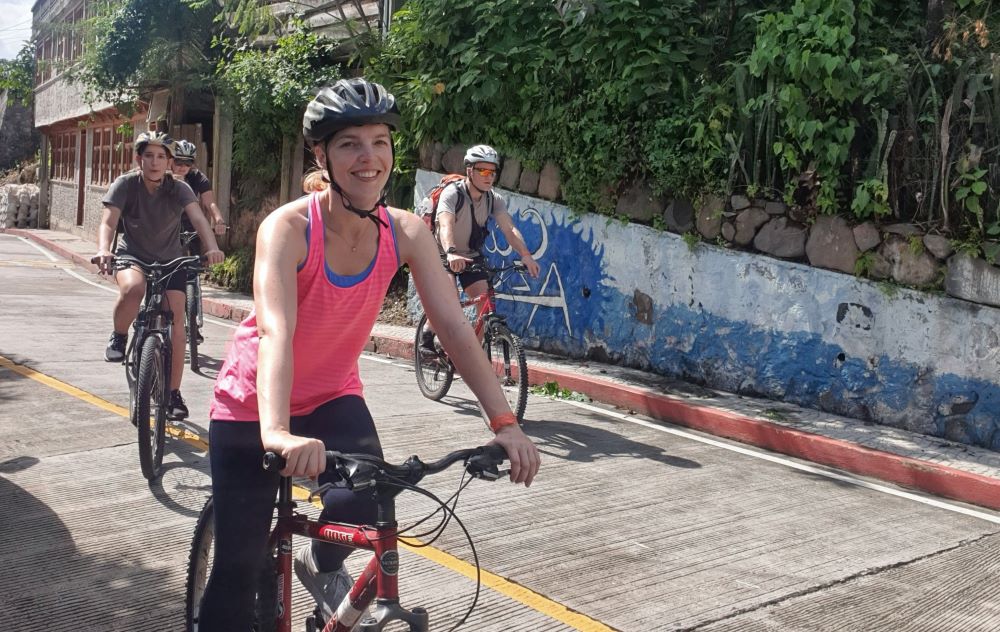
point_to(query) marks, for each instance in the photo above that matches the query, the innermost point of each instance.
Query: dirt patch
(394, 310)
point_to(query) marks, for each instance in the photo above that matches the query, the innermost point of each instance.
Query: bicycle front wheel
(192, 303)
(200, 562)
(506, 356)
(199, 565)
(150, 407)
(434, 370)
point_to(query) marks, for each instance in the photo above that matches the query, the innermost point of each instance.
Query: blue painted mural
(749, 324)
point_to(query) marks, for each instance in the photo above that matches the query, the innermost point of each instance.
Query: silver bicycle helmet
(184, 150)
(482, 153)
(347, 103)
(153, 138)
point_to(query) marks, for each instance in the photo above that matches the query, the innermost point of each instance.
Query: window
(121, 153)
(64, 156)
(61, 45)
(100, 171)
(111, 155)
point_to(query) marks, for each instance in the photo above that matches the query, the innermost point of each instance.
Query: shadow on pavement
(41, 586)
(584, 444)
(184, 484)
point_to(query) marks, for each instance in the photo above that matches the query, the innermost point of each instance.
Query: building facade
(86, 145)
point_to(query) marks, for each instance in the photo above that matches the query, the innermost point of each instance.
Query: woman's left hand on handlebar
(521, 452)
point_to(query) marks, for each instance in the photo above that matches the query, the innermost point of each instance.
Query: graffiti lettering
(521, 293)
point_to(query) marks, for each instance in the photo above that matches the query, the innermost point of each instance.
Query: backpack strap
(462, 194)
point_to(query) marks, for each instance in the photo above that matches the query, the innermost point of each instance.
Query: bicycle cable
(452, 502)
(451, 514)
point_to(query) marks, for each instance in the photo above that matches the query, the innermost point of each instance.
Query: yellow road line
(511, 589)
(173, 430)
(506, 587)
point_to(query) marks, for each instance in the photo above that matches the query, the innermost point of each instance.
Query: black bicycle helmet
(347, 103)
(153, 138)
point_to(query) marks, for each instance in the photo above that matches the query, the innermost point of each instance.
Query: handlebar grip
(273, 462)
(485, 465)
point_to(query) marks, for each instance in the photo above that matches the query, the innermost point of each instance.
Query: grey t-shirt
(463, 219)
(152, 222)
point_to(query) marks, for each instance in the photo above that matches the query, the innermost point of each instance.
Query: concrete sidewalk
(929, 464)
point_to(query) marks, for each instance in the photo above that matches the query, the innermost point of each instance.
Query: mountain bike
(147, 357)
(195, 318)
(378, 583)
(435, 370)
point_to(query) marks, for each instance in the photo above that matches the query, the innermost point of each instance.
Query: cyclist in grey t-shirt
(149, 203)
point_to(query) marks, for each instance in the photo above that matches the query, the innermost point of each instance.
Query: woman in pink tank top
(290, 382)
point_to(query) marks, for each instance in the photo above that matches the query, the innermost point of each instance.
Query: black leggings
(244, 495)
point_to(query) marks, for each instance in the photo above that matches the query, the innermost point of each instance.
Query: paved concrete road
(632, 525)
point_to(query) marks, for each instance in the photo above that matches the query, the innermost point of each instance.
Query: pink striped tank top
(335, 318)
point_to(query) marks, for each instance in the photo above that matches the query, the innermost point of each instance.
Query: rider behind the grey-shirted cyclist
(461, 235)
(150, 204)
(182, 166)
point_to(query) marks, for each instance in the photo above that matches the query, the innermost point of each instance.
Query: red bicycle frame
(379, 580)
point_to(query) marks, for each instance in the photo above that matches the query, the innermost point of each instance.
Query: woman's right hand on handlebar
(303, 456)
(104, 261)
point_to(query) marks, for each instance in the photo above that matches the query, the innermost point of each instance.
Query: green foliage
(969, 187)
(581, 87)
(821, 76)
(552, 389)
(888, 289)
(691, 239)
(140, 45)
(268, 89)
(17, 76)
(871, 198)
(864, 264)
(235, 272)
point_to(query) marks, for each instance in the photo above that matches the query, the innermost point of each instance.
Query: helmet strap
(346, 201)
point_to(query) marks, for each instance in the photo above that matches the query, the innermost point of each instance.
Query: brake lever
(319, 491)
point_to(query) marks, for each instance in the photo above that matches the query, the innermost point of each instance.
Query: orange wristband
(500, 421)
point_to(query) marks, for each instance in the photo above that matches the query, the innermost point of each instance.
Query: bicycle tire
(506, 354)
(435, 371)
(200, 560)
(150, 407)
(199, 308)
(191, 301)
(199, 564)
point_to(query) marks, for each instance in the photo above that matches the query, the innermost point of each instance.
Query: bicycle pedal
(315, 621)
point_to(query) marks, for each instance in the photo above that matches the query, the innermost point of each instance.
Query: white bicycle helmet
(482, 153)
(153, 138)
(185, 150)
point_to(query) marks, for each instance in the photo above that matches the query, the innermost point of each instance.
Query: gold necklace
(352, 246)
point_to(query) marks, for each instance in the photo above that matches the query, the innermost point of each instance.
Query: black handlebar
(125, 261)
(365, 470)
(478, 265)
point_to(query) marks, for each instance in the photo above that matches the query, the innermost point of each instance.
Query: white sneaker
(327, 588)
